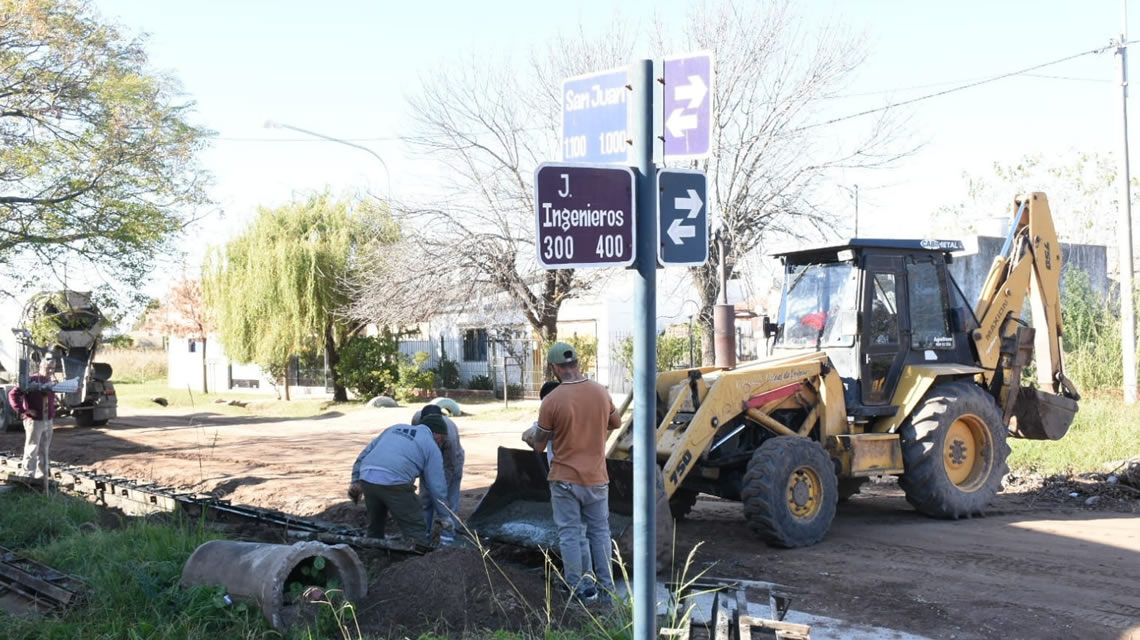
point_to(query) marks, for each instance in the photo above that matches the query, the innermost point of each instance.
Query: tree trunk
(332, 358)
(204, 389)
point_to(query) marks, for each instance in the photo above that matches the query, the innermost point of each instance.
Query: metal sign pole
(645, 357)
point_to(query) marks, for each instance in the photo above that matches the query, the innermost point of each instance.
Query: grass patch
(132, 573)
(138, 396)
(1106, 430)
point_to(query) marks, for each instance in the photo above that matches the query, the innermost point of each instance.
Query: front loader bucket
(1039, 415)
(516, 509)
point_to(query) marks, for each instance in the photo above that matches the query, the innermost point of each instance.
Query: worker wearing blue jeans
(578, 416)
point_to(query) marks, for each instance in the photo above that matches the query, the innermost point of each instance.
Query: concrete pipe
(258, 573)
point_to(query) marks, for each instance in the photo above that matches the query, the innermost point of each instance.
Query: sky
(346, 69)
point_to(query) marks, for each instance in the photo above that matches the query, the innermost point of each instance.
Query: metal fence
(482, 360)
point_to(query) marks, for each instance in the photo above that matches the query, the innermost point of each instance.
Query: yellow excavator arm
(1029, 263)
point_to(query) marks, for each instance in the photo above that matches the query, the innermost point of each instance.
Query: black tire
(849, 487)
(98, 423)
(682, 503)
(790, 492)
(954, 452)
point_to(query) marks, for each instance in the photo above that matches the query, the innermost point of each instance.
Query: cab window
(930, 327)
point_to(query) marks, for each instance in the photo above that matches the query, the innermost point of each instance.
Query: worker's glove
(355, 491)
(530, 436)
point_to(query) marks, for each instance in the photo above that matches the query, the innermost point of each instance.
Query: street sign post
(687, 105)
(595, 117)
(682, 217)
(584, 216)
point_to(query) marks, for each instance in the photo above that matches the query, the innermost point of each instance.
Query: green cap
(435, 422)
(561, 353)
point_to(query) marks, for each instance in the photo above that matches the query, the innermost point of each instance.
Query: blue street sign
(584, 216)
(687, 107)
(595, 117)
(682, 217)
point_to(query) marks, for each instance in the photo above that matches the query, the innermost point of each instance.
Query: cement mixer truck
(69, 326)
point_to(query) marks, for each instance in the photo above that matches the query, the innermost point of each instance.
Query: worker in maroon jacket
(36, 405)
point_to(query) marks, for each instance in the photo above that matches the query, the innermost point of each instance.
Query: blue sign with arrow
(687, 107)
(682, 217)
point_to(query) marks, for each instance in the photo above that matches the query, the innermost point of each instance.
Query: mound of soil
(456, 591)
(1117, 490)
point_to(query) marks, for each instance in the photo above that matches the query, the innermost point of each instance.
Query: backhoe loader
(879, 366)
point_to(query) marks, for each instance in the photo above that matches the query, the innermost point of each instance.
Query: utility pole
(1127, 310)
(856, 211)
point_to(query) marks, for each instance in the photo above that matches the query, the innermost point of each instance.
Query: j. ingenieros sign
(584, 216)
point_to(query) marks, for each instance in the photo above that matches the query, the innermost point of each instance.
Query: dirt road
(1035, 568)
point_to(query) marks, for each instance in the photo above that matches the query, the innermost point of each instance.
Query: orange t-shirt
(578, 415)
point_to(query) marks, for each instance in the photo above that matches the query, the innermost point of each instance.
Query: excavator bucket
(516, 509)
(1039, 415)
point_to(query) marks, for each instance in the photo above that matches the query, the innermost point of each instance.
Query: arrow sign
(678, 232)
(679, 122)
(682, 217)
(692, 202)
(687, 105)
(694, 92)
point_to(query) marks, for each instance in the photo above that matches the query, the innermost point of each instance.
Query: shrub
(369, 366)
(446, 372)
(1092, 335)
(480, 383)
(413, 376)
(587, 349)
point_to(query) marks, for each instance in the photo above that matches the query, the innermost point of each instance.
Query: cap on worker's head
(431, 410)
(561, 353)
(434, 422)
(547, 387)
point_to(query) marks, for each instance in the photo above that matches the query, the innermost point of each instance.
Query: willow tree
(278, 288)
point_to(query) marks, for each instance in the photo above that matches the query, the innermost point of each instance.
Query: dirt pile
(456, 591)
(1117, 490)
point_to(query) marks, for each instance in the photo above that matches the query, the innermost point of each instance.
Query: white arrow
(692, 203)
(679, 122)
(694, 92)
(678, 231)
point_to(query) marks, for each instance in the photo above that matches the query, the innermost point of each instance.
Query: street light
(270, 124)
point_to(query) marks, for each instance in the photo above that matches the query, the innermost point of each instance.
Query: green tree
(278, 289)
(98, 164)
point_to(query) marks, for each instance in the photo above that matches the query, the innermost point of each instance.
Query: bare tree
(769, 151)
(489, 124)
(184, 314)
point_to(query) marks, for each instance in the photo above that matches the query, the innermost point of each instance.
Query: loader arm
(700, 402)
(1029, 264)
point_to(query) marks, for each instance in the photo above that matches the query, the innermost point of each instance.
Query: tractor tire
(954, 452)
(849, 487)
(790, 492)
(682, 503)
(98, 423)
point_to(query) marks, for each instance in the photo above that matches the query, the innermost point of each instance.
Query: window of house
(192, 345)
(475, 345)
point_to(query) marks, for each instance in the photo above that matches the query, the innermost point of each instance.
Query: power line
(949, 91)
(962, 87)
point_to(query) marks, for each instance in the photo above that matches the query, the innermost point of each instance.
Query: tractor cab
(874, 306)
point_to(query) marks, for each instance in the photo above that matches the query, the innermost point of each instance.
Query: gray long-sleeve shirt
(453, 454)
(401, 453)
